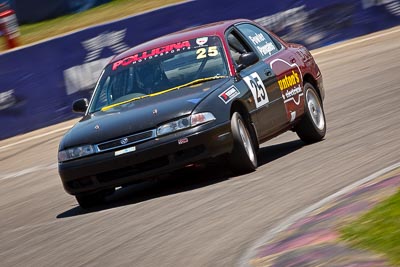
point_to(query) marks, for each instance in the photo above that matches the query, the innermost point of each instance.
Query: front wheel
(312, 127)
(91, 200)
(243, 158)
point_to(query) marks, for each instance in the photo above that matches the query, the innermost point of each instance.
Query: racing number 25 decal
(257, 88)
(203, 52)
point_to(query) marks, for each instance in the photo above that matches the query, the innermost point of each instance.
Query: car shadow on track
(182, 181)
(270, 153)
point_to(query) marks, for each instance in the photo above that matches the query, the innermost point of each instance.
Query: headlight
(186, 122)
(200, 118)
(75, 152)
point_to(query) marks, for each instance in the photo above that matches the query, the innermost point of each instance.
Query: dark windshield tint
(157, 70)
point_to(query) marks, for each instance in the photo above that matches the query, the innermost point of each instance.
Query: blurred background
(39, 10)
(52, 51)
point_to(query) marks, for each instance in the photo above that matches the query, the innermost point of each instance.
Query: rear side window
(259, 39)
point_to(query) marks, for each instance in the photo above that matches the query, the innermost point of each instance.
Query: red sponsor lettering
(224, 96)
(150, 53)
(183, 141)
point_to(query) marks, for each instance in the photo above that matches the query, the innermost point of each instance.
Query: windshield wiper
(202, 80)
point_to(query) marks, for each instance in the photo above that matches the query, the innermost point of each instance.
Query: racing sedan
(220, 89)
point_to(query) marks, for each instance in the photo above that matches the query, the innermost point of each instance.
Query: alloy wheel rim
(315, 110)
(246, 141)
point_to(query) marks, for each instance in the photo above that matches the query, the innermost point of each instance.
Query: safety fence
(38, 83)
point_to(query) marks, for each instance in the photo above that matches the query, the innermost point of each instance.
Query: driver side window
(237, 46)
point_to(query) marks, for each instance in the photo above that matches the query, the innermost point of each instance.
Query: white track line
(251, 253)
(28, 171)
(356, 41)
(324, 50)
(35, 137)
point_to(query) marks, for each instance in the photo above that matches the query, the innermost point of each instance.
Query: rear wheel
(243, 158)
(312, 127)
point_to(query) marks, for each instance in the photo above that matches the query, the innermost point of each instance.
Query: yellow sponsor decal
(289, 81)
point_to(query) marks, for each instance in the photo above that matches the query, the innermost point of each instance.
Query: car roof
(212, 29)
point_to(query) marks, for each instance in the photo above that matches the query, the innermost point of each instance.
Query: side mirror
(246, 60)
(80, 105)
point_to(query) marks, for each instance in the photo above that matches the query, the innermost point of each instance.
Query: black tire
(312, 127)
(243, 158)
(88, 201)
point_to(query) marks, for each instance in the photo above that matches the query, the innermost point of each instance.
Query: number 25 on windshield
(203, 52)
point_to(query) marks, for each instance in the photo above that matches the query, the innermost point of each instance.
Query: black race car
(218, 89)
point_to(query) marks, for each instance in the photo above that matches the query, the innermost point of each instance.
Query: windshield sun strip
(163, 92)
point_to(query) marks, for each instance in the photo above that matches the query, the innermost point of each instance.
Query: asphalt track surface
(206, 217)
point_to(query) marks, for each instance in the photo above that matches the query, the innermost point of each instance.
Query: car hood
(138, 115)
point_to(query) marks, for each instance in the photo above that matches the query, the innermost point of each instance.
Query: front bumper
(150, 158)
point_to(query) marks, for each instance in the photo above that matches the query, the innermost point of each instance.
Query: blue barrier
(38, 83)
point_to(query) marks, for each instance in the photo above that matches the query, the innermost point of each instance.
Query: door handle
(268, 73)
(292, 60)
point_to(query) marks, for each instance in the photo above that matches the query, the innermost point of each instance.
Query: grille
(133, 170)
(125, 141)
(81, 183)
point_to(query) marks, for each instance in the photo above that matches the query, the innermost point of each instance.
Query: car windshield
(158, 71)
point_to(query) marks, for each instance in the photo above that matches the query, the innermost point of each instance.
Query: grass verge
(110, 11)
(378, 230)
